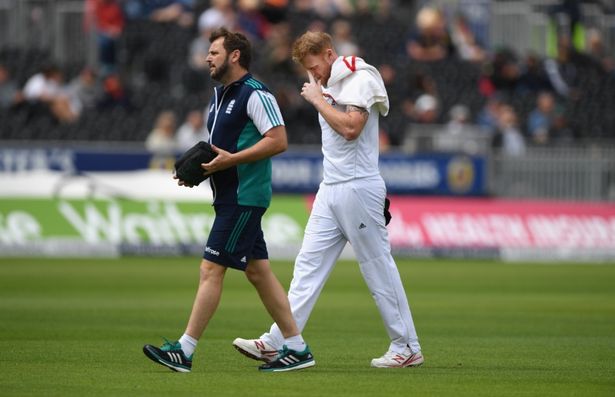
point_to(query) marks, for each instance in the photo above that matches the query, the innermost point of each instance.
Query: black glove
(387, 214)
(188, 166)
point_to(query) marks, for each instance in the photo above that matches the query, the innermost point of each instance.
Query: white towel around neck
(355, 82)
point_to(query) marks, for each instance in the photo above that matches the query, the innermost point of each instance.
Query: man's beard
(220, 71)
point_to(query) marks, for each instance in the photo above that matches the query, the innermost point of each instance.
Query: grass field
(76, 328)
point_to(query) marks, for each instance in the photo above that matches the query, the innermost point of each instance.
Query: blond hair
(311, 43)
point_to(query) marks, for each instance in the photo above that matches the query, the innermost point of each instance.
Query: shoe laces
(283, 351)
(168, 345)
(391, 355)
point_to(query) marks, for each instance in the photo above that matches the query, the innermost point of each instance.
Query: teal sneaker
(171, 355)
(290, 360)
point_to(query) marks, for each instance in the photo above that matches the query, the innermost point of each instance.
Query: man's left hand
(222, 161)
(182, 183)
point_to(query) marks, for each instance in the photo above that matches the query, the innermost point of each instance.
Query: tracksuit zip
(217, 107)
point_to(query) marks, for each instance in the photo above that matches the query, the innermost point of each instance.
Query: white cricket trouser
(350, 212)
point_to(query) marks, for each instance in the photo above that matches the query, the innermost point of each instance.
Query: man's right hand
(312, 90)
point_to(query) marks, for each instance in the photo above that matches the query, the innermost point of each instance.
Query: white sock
(188, 344)
(273, 339)
(295, 343)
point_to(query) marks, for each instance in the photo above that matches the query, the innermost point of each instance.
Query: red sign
(484, 223)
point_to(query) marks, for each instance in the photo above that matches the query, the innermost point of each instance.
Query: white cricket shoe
(397, 360)
(256, 349)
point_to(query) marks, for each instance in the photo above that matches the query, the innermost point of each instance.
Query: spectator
(45, 88)
(431, 42)
(164, 11)
(275, 11)
(458, 119)
(540, 120)
(113, 93)
(564, 71)
(295, 110)
(505, 71)
(419, 83)
(191, 131)
(426, 109)
(485, 84)
(161, 140)
(459, 135)
(508, 138)
(488, 116)
(597, 50)
(84, 90)
(251, 22)
(343, 41)
(561, 132)
(277, 57)
(572, 10)
(533, 75)
(465, 42)
(10, 95)
(134, 9)
(107, 19)
(330, 9)
(219, 14)
(424, 83)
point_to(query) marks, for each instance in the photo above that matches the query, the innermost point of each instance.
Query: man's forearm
(348, 124)
(274, 142)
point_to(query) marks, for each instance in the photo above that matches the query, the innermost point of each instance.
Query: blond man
(349, 96)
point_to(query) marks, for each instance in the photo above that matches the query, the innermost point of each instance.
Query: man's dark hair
(49, 69)
(234, 41)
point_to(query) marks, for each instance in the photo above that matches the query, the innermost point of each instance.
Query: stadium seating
(153, 58)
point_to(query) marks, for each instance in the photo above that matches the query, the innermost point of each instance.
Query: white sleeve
(34, 87)
(264, 111)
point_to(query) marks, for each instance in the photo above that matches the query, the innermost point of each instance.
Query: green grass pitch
(75, 327)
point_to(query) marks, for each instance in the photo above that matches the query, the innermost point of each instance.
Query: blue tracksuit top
(230, 128)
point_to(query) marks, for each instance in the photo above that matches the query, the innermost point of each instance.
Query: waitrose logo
(122, 222)
(161, 224)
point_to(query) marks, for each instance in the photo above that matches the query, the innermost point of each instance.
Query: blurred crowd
(438, 67)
